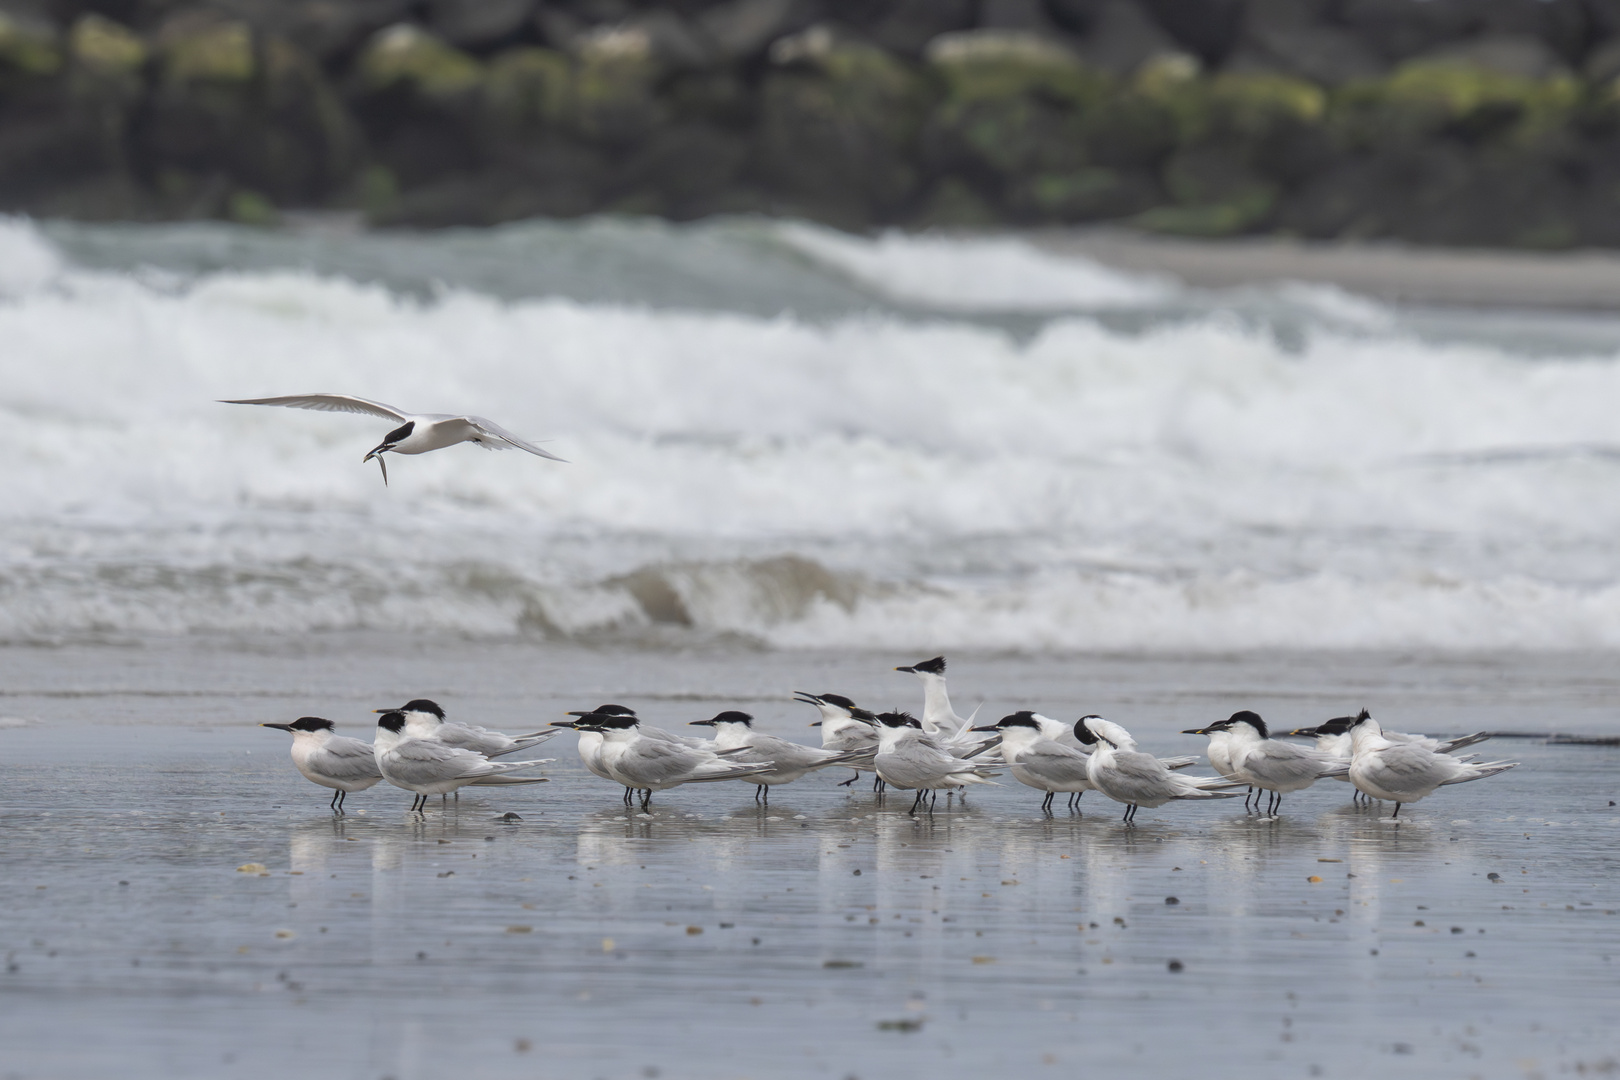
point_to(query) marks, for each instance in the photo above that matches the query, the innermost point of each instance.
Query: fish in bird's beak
(278, 727)
(378, 454)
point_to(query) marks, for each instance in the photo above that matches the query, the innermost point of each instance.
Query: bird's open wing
(326, 403)
(495, 431)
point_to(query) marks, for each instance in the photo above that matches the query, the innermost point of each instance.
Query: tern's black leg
(933, 797)
(1046, 803)
(646, 799)
(916, 802)
(333, 805)
(854, 776)
(1397, 812)
(629, 795)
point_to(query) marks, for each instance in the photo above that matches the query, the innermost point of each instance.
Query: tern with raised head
(416, 433)
(844, 726)
(329, 759)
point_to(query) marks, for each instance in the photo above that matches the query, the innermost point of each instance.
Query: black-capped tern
(650, 764)
(1136, 779)
(908, 758)
(1404, 772)
(417, 433)
(429, 767)
(788, 761)
(424, 719)
(844, 726)
(1273, 766)
(1039, 761)
(329, 759)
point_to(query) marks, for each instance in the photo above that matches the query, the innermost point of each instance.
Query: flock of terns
(416, 748)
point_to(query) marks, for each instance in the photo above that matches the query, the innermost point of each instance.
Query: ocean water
(783, 436)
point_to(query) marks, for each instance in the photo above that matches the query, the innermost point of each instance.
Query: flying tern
(788, 761)
(1136, 779)
(329, 759)
(1404, 772)
(430, 767)
(417, 433)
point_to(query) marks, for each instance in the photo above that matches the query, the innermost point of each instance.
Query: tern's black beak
(910, 669)
(816, 724)
(396, 709)
(378, 454)
(701, 723)
(992, 727)
(278, 727)
(1196, 731)
(566, 723)
(1309, 731)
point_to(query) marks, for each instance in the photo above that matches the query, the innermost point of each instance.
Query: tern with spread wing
(417, 433)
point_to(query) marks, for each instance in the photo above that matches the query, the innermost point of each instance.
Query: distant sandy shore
(1392, 272)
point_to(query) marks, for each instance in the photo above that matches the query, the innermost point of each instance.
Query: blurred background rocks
(1476, 122)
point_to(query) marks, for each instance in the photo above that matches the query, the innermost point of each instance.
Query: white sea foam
(976, 274)
(1198, 484)
(27, 261)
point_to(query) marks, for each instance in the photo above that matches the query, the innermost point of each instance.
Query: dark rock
(617, 70)
(472, 23)
(1519, 56)
(1398, 29)
(688, 166)
(743, 29)
(1603, 63)
(1089, 193)
(909, 25)
(839, 122)
(1029, 15)
(1121, 37)
(30, 44)
(1322, 54)
(1209, 29)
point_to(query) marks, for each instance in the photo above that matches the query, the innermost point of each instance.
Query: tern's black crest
(1337, 726)
(896, 719)
(733, 717)
(424, 705)
(839, 700)
(607, 720)
(614, 710)
(310, 723)
(400, 434)
(1247, 717)
(1084, 733)
(1361, 719)
(936, 666)
(1025, 718)
(392, 721)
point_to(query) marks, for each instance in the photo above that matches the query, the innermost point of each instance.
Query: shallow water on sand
(828, 935)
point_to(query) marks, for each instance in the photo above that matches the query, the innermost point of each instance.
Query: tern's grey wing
(326, 403)
(479, 741)
(1047, 761)
(1413, 765)
(426, 761)
(348, 760)
(494, 430)
(659, 762)
(915, 764)
(790, 755)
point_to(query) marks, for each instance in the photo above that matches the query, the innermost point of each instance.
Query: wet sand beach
(828, 935)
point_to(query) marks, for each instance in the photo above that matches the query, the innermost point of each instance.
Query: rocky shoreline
(1459, 122)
